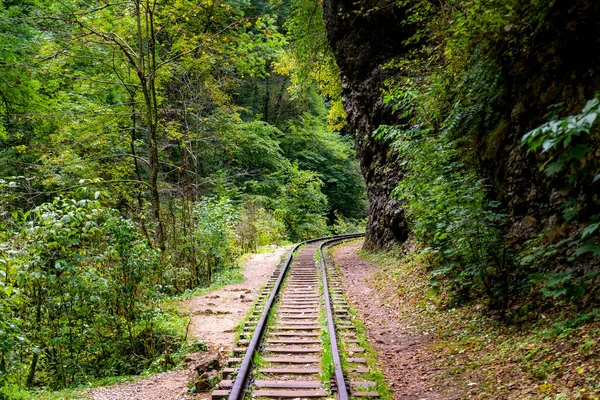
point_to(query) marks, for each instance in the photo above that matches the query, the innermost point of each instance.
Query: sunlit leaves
(310, 61)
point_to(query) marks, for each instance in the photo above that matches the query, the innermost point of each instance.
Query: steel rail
(340, 381)
(241, 380)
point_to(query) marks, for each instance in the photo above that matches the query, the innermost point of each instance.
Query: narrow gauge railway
(290, 348)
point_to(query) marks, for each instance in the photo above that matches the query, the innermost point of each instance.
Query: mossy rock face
(361, 44)
(509, 78)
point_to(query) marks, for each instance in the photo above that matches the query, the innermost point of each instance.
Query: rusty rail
(241, 381)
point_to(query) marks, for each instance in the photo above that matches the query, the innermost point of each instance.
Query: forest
(145, 145)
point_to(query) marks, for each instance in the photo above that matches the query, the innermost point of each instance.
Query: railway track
(302, 342)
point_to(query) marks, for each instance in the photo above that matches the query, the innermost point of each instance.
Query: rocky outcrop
(361, 43)
(559, 66)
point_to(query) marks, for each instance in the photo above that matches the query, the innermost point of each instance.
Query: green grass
(327, 365)
(375, 374)
(71, 393)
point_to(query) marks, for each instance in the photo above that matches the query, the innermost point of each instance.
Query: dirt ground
(402, 356)
(214, 316)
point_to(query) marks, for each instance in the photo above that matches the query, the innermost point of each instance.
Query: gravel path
(214, 316)
(401, 356)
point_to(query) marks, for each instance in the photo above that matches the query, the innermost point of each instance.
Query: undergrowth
(551, 355)
(172, 323)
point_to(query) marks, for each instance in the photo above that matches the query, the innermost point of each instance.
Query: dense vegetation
(485, 118)
(478, 136)
(145, 145)
(462, 115)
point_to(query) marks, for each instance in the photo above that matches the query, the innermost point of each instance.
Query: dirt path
(401, 356)
(214, 316)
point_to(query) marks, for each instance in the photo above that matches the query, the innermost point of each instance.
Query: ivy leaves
(567, 142)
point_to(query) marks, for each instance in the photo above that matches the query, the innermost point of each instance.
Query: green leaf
(578, 152)
(588, 247)
(590, 229)
(547, 145)
(554, 293)
(538, 278)
(557, 279)
(576, 291)
(590, 105)
(589, 119)
(554, 168)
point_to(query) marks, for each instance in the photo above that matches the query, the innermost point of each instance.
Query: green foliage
(447, 206)
(214, 236)
(169, 115)
(563, 137)
(300, 204)
(570, 156)
(257, 227)
(472, 76)
(343, 226)
(556, 284)
(331, 155)
(85, 285)
(309, 60)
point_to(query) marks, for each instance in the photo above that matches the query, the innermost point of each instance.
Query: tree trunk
(146, 69)
(136, 164)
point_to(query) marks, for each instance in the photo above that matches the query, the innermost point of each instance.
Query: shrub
(81, 297)
(214, 237)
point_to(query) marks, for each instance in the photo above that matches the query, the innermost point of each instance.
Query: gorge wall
(360, 46)
(558, 65)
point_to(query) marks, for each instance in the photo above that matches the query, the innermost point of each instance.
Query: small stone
(211, 363)
(206, 381)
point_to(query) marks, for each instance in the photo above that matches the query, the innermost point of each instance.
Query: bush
(447, 207)
(257, 227)
(81, 297)
(344, 226)
(214, 237)
(301, 205)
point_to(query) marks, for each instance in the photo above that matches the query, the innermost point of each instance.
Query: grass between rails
(327, 366)
(551, 355)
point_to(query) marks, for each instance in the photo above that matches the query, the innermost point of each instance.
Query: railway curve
(299, 340)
